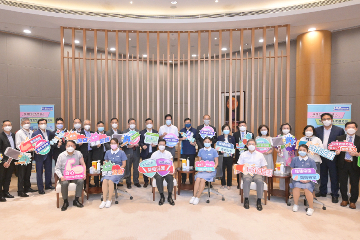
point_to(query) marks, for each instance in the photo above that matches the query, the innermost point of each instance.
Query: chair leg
(57, 200)
(242, 195)
(82, 196)
(175, 192)
(265, 196)
(153, 190)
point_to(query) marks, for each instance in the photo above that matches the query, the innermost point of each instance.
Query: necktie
(308, 139)
(347, 155)
(242, 135)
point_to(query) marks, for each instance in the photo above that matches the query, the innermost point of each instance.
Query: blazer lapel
(7, 139)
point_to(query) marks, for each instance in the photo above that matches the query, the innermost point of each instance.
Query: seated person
(70, 153)
(303, 161)
(207, 154)
(162, 153)
(117, 156)
(256, 159)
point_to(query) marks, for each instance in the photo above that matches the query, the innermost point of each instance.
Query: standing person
(60, 146)
(114, 130)
(147, 149)
(43, 161)
(85, 148)
(168, 128)
(228, 159)
(98, 150)
(347, 166)
(239, 136)
(309, 136)
(263, 132)
(199, 139)
(133, 156)
(7, 139)
(24, 184)
(327, 134)
(188, 150)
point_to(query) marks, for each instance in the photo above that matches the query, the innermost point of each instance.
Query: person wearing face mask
(188, 150)
(133, 155)
(309, 131)
(118, 157)
(70, 153)
(85, 148)
(43, 161)
(60, 146)
(207, 154)
(98, 150)
(348, 166)
(24, 184)
(263, 132)
(114, 122)
(168, 128)
(239, 136)
(199, 139)
(228, 159)
(303, 161)
(327, 134)
(7, 139)
(256, 159)
(147, 149)
(169, 178)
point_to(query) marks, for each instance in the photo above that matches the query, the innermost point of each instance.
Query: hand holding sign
(250, 169)
(205, 166)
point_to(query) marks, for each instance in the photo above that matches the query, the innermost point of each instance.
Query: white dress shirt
(21, 136)
(326, 137)
(158, 154)
(255, 158)
(168, 129)
(150, 147)
(45, 134)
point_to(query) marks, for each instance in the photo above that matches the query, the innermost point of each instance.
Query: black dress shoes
(335, 199)
(128, 185)
(146, 184)
(320, 195)
(50, 188)
(30, 190)
(22, 194)
(170, 200)
(77, 204)
(2, 199)
(258, 204)
(65, 205)
(42, 192)
(8, 195)
(246, 203)
(162, 200)
(120, 184)
(137, 185)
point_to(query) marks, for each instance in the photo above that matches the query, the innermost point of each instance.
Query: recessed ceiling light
(311, 29)
(77, 41)
(144, 55)
(216, 0)
(261, 40)
(224, 49)
(215, 38)
(131, 2)
(173, 2)
(194, 55)
(112, 49)
(129, 39)
(170, 61)
(27, 31)
(246, 44)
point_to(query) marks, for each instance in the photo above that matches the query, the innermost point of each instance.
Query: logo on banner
(207, 131)
(149, 167)
(205, 166)
(73, 172)
(42, 147)
(304, 174)
(341, 108)
(224, 147)
(171, 140)
(262, 145)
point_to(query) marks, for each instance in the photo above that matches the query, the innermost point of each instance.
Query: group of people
(344, 165)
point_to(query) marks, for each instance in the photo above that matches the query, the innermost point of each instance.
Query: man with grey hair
(24, 173)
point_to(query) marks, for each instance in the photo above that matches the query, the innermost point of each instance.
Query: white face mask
(351, 131)
(242, 128)
(286, 131)
(264, 132)
(87, 127)
(327, 123)
(308, 133)
(70, 149)
(8, 128)
(149, 125)
(251, 147)
(26, 126)
(132, 126)
(77, 125)
(114, 125)
(43, 126)
(206, 122)
(161, 147)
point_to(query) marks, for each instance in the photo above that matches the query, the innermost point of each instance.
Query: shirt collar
(148, 130)
(7, 134)
(114, 152)
(207, 149)
(303, 158)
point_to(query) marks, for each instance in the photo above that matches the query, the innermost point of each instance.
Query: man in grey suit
(114, 130)
(133, 155)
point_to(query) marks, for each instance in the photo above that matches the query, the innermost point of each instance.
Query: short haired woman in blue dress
(303, 161)
(117, 156)
(207, 154)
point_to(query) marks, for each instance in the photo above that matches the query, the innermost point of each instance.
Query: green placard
(151, 138)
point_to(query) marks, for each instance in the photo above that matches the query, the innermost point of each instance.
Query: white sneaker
(102, 205)
(309, 212)
(196, 201)
(108, 203)
(192, 200)
(295, 208)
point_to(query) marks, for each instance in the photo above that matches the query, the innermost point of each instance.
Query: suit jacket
(84, 147)
(335, 132)
(340, 159)
(98, 153)
(200, 140)
(5, 143)
(145, 152)
(39, 157)
(57, 150)
(231, 140)
(110, 132)
(127, 150)
(237, 137)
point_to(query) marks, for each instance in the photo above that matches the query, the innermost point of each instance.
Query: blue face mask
(188, 125)
(302, 153)
(168, 122)
(207, 144)
(100, 129)
(59, 126)
(226, 131)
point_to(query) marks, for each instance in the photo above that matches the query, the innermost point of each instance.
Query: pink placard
(34, 114)
(318, 114)
(73, 173)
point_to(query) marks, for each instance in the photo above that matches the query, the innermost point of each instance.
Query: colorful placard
(277, 141)
(130, 138)
(251, 169)
(73, 172)
(241, 146)
(341, 113)
(207, 131)
(42, 147)
(322, 152)
(225, 147)
(59, 134)
(12, 153)
(342, 146)
(304, 174)
(24, 159)
(111, 169)
(189, 135)
(29, 145)
(171, 139)
(149, 167)
(204, 166)
(151, 138)
(262, 145)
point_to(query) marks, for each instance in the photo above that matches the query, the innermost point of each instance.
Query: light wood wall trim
(95, 78)
(106, 80)
(117, 76)
(287, 112)
(188, 85)
(127, 115)
(84, 75)
(252, 79)
(264, 77)
(199, 77)
(219, 102)
(73, 73)
(230, 78)
(148, 74)
(209, 73)
(276, 41)
(62, 84)
(241, 74)
(158, 79)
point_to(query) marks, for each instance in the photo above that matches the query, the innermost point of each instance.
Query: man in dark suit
(239, 135)
(328, 133)
(199, 139)
(114, 130)
(43, 161)
(84, 148)
(60, 146)
(347, 166)
(147, 149)
(7, 139)
(98, 150)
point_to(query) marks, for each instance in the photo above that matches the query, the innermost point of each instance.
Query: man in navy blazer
(328, 133)
(147, 149)
(43, 161)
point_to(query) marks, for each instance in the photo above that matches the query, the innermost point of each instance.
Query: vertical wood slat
(101, 86)
(168, 73)
(68, 88)
(95, 79)
(79, 76)
(287, 72)
(73, 107)
(122, 90)
(281, 87)
(183, 92)
(209, 72)
(199, 79)
(84, 75)
(258, 91)
(173, 84)
(163, 88)
(242, 75)
(111, 87)
(148, 74)
(158, 78)
(214, 93)
(230, 78)
(127, 78)
(276, 31)
(252, 78)
(247, 86)
(62, 84)
(264, 75)
(220, 113)
(235, 91)
(90, 105)
(106, 80)
(188, 92)
(153, 88)
(269, 102)
(137, 79)
(178, 79)
(117, 75)
(132, 114)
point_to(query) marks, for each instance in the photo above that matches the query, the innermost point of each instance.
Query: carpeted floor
(37, 217)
